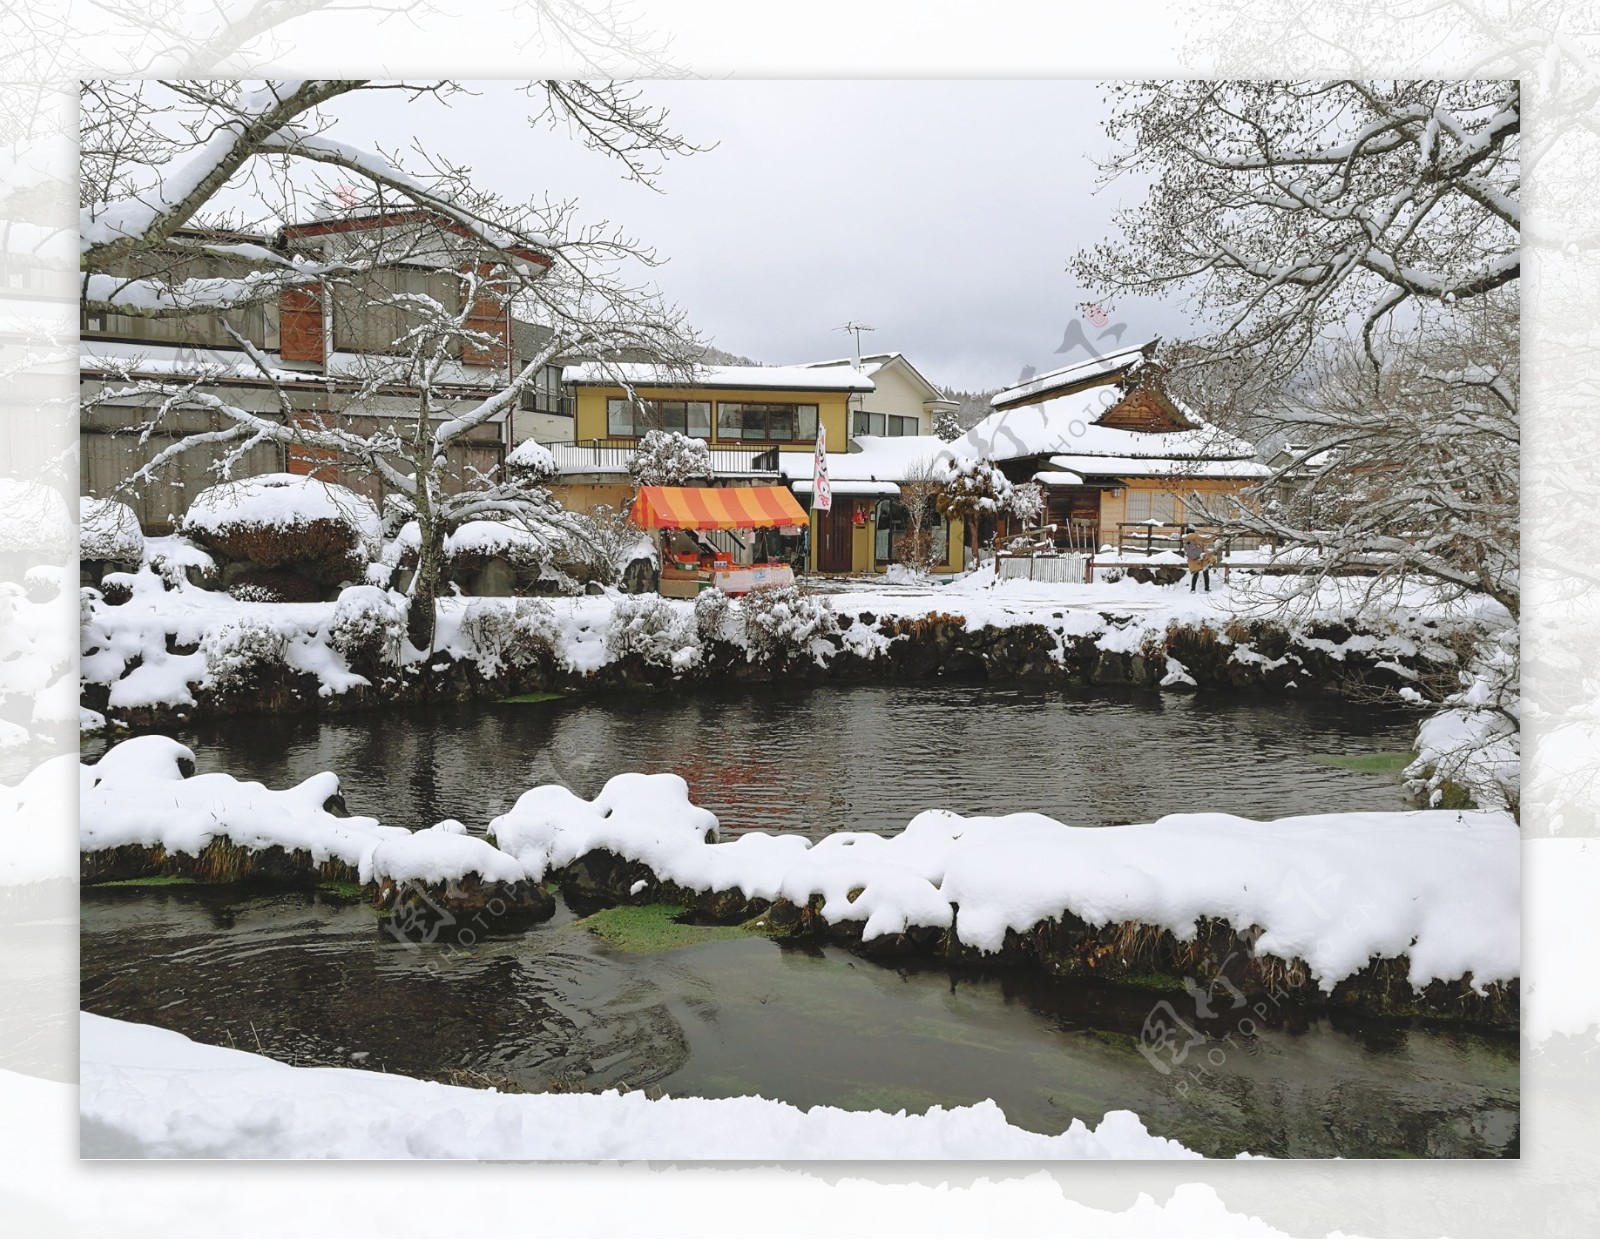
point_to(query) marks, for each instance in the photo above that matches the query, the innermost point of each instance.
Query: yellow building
(760, 425)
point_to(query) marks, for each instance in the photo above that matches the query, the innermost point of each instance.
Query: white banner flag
(821, 488)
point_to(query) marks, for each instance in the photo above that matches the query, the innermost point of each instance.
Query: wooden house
(1122, 463)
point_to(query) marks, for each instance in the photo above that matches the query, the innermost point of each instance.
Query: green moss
(1161, 982)
(648, 928)
(890, 1098)
(152, 880)
(345, 891)
(1367, 763)
(531, 697)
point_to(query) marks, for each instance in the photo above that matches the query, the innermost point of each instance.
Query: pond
(829, 758)
(309, 980)
(313, 980)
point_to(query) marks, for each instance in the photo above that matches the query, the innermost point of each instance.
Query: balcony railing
(611, 456)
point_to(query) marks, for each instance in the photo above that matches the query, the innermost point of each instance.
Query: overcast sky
(940, 212)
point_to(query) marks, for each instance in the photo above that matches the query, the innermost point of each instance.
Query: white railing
(612, 457)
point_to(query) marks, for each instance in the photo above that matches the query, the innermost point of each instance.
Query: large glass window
(766, 422)
(626, 419)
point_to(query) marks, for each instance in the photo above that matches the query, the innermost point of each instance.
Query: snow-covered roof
(767, 378)
(1078, 372)
(872, 363)
(1058, 478)
(877, 458)
(1070, 424)
(1156, 467)
(159, 361)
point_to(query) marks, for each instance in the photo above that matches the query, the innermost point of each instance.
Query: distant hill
(721, 357)
(974, 405)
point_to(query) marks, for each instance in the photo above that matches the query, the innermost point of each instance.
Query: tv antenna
(857, 329)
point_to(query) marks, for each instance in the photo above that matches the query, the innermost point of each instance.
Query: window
(625, 419)
(772, 423)
(882, 424)
(1159, 506)
(544, 393)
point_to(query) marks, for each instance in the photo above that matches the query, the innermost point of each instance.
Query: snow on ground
(136, 794)
(149, 1092)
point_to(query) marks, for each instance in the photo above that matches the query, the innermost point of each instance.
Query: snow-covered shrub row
(152, 1092)
(1472, 747)
(108, 530)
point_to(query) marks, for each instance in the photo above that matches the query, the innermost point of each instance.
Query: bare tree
(156, 156)
(140, 254)
(919, 496)
(1292, 209)
(1408, 471)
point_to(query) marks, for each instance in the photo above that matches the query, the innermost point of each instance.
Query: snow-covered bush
(237, 651)
(108, 530)
(1026, 502)
(279, 519)
(176, 560)
(531, 461)
(655, 630)
(782, 622)
(668, 459)
(715, 619)
(509, 633)
(367, 626)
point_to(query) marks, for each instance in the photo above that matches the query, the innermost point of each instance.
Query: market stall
(717, 508)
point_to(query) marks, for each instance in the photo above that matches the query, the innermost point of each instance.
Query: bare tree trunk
(422, 608)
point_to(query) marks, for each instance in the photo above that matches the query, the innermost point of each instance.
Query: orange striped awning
(715, 508)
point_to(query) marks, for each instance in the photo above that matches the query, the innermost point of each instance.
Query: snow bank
(137, 794)
(1333, 890)
(108, 530)
(149, 1092)
(551, 826)
(440, 854)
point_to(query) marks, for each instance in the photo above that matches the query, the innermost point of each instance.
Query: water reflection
(836, 757)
